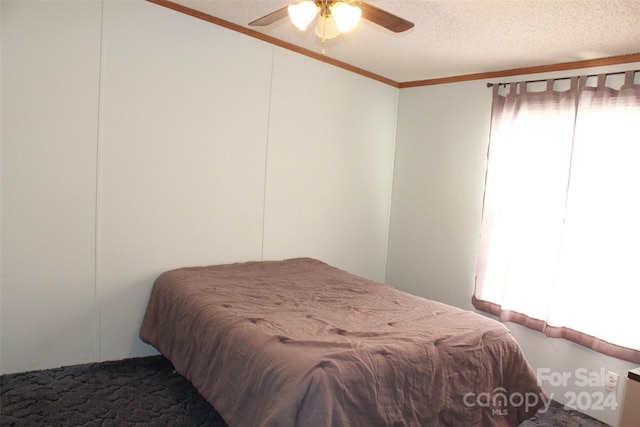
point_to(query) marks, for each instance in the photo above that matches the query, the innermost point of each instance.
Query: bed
(301, 343)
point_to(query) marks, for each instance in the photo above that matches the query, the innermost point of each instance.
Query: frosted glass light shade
(346, 16)
(327, 28)
(301, 14)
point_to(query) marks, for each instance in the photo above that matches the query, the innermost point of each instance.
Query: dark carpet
(140, 392)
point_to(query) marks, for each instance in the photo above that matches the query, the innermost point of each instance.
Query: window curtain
(560, 238)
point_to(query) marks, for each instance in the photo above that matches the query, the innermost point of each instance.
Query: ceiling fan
(336, 17)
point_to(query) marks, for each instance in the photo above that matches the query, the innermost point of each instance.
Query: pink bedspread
(301, 343)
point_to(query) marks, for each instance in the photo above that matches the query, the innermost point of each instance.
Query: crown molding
(272, 40)
(600, 62)
(614, 60)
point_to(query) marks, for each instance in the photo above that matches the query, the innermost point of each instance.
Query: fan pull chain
(324, 26)
(324, 23)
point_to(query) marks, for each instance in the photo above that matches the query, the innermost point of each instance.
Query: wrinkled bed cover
(301, 343)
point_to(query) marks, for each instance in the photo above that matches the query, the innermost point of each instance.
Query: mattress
(301, 343)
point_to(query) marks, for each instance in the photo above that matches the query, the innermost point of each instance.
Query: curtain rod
(557, 78)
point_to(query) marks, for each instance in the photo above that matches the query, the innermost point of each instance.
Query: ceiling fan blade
(384, 18)
(270, 18)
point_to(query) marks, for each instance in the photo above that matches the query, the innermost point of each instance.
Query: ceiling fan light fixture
(346, 16)
(327, 28)
(301, 14)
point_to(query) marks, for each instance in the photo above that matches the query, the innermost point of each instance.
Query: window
(560, 239)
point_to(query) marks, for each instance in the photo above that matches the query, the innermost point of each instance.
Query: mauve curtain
(560, 237)
(527, 176)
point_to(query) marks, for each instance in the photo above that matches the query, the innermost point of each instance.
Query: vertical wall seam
(392, 187)
(266, 154)
(98, 164)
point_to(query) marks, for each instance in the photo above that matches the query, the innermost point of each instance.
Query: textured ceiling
(459, 37)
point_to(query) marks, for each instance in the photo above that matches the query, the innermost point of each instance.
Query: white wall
(441, 149)
(136, 139)
(338, 147)
(50, 73)
(182, 156)
(438, 189)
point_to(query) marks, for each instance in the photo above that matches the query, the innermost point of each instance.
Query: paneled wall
(136, 139)
(182, 156)
(50, 81)
(338, 148)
